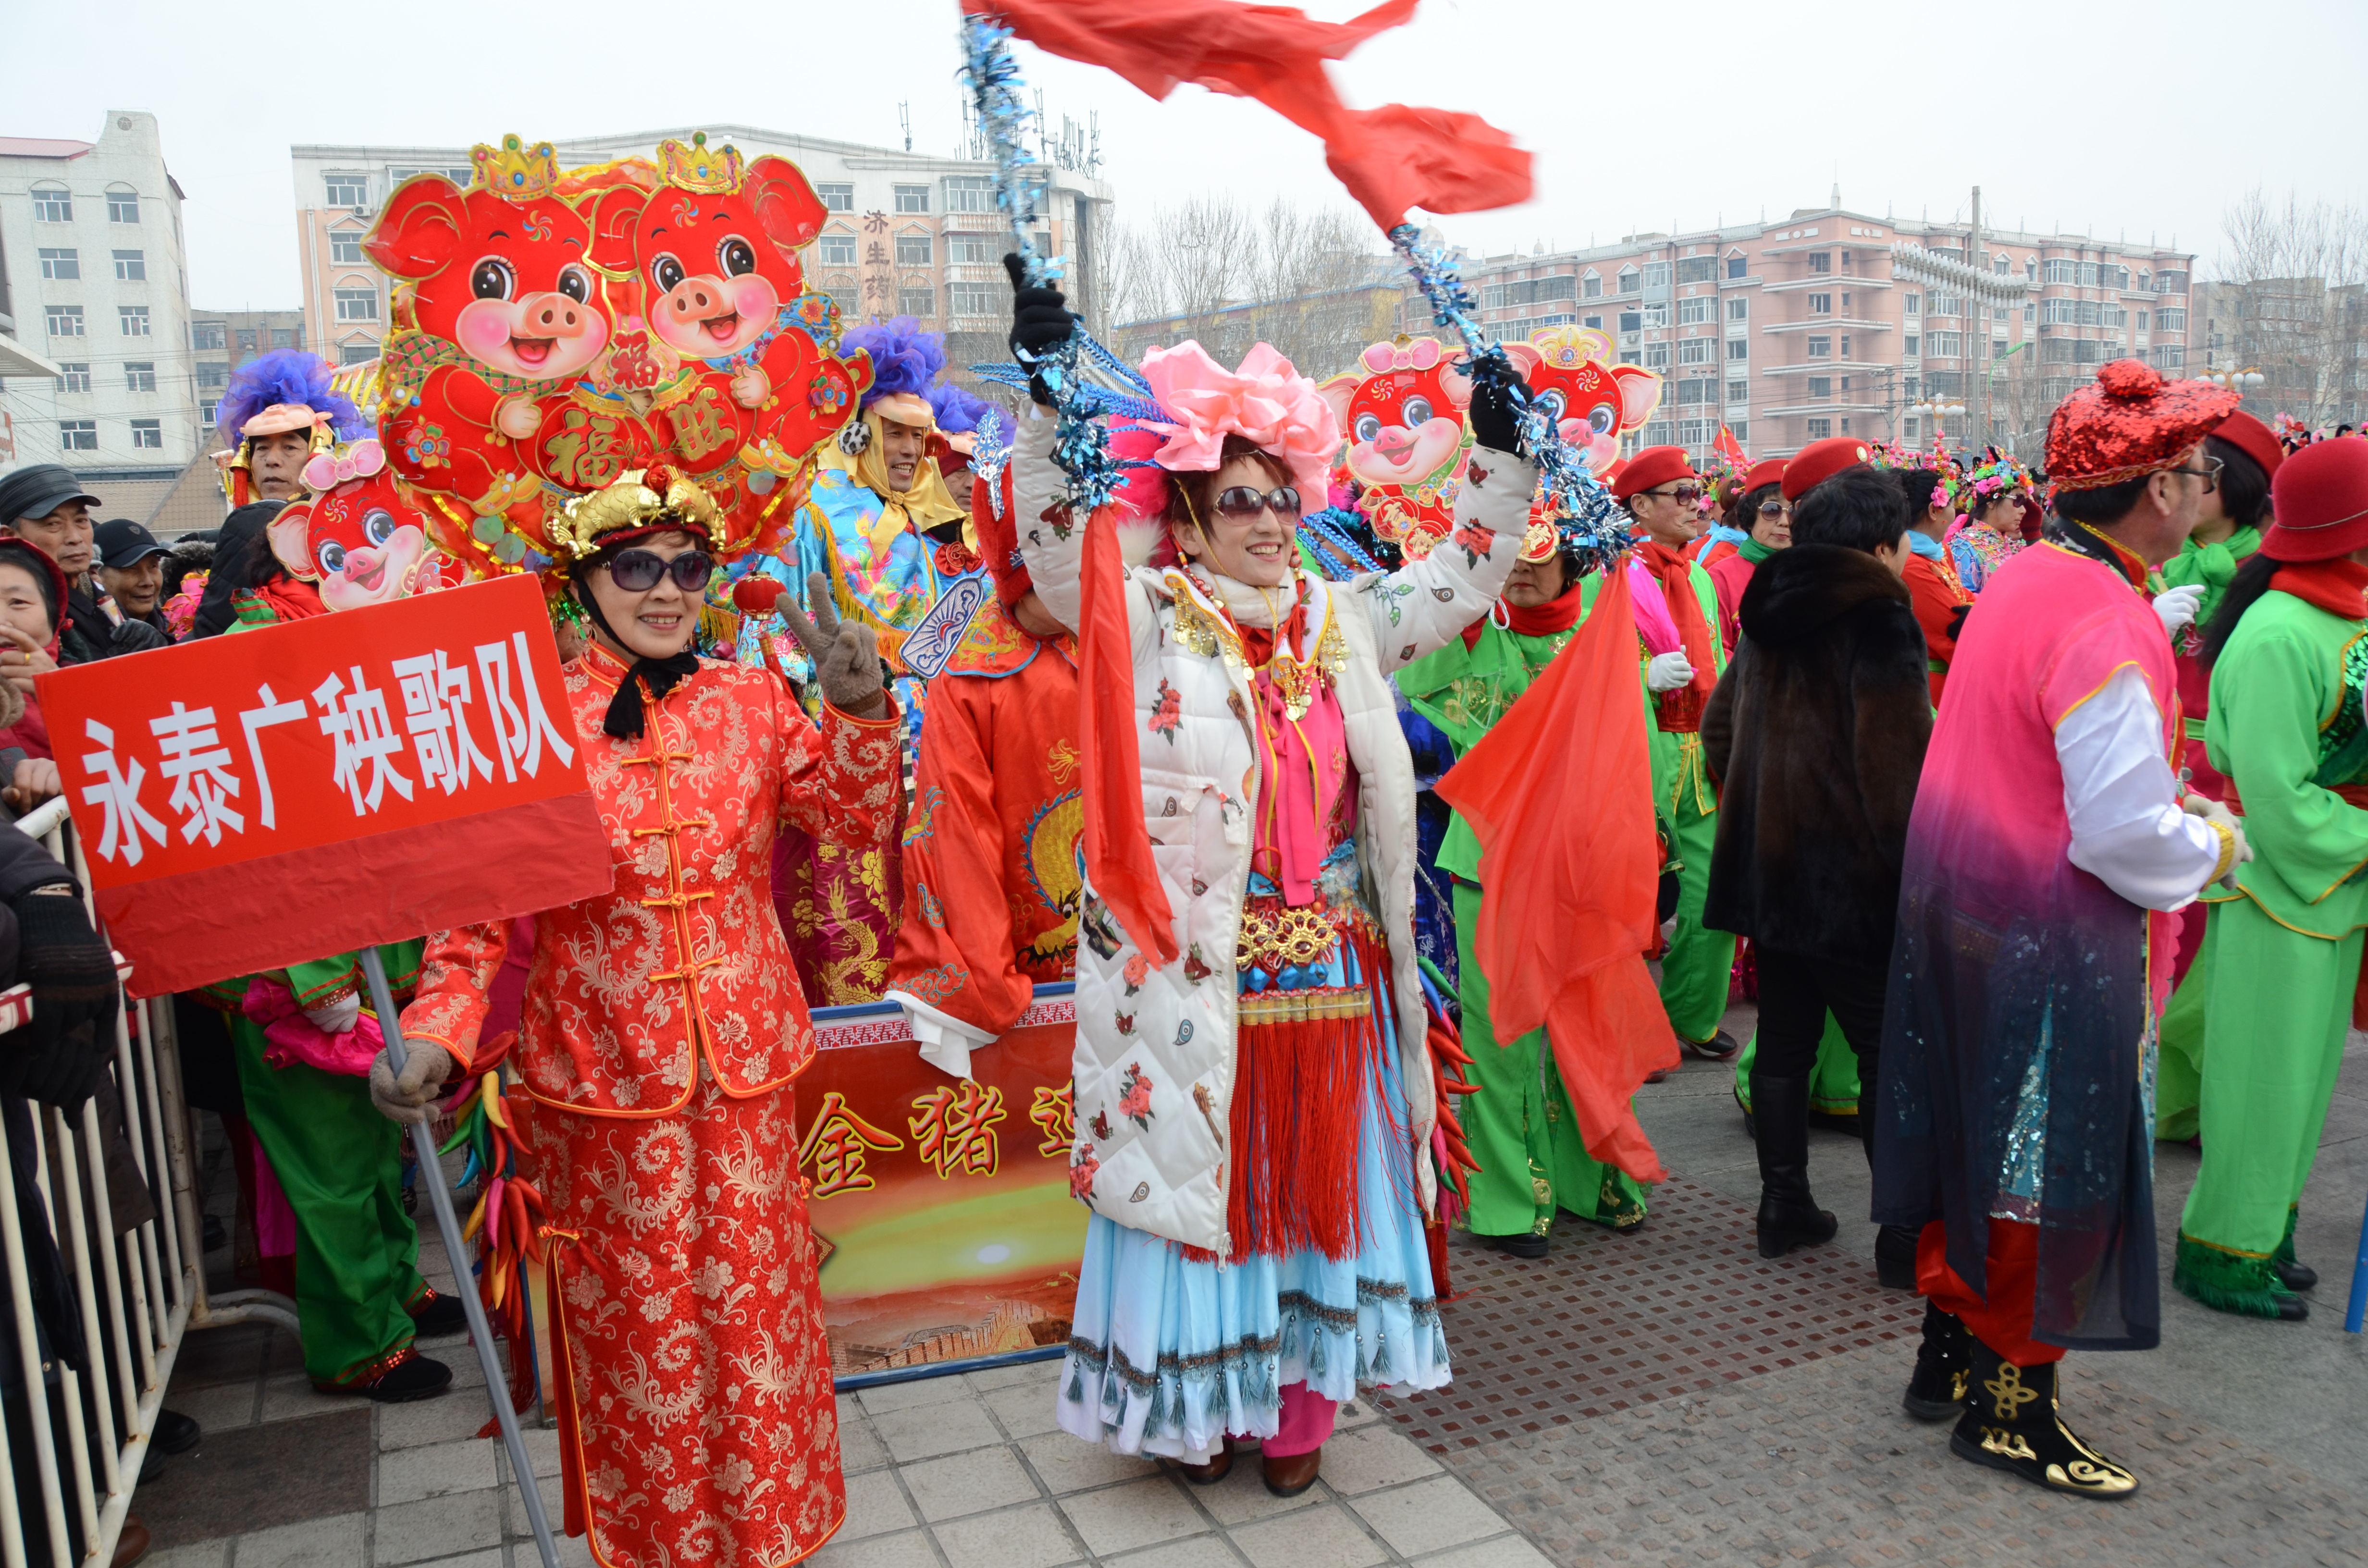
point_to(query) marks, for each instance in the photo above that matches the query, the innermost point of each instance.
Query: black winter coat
(1817, 734)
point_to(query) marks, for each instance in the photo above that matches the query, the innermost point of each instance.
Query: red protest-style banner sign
(258, 799)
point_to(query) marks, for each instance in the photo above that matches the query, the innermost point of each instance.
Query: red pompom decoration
(755, 594)
(2128, 379)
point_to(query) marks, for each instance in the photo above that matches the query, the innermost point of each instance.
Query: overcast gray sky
(2115, 119)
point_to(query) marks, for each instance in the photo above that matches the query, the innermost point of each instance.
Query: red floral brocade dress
(662, 1026)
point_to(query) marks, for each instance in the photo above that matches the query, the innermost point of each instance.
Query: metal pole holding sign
(431, 1177)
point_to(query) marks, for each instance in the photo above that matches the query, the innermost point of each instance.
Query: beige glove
(410, 1097)
(1667, 672)
(2211, 811)
(846, 654)
(338, 1016)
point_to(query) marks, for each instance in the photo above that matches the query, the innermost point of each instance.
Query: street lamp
(2238, 381)
(1937, 409)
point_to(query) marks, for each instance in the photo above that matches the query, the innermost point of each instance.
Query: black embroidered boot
(2011, 1424)
(1943, 1366)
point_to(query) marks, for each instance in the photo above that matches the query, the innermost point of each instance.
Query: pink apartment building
(1833, 323)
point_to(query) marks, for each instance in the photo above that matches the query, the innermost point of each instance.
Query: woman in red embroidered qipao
(663, 1024)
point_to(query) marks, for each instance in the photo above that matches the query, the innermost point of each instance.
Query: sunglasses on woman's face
(1775, 509)
(638, 571)
(1239, 501)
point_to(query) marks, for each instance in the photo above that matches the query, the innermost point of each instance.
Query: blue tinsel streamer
(1592, 526)
(1080, 444)
(1337, 550)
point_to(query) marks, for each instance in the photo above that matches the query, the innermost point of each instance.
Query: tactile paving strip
(1606, 1323)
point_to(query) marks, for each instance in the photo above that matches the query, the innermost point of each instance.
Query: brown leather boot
(1218, 1466)
(1288, 1475)
(132, 1545)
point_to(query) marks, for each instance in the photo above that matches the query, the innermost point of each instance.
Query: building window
(837, 197)
(1630, 357)
(1657, 313)
(1696, 431)
(65, 321)
(2170, 357)
(246, 343)
(1593, 323)
(207, 335)
(212, 376)
(356, 353)
(2060, 271)
(1821, 261)
(74, 378)
(139, 375)
(132, 320)
(1735, 266)
(1820, 428)
(1627, 280)
(970, 193)
(347, 190)
(1943, 305)
(1694, 393)
(1821, 386)
(78, 435)
(1631, 320)
(1740, 430)
(1659, 434)
(1698, 269)
(1846, 345)
(1590, 287)
(346, 247)
(1739, 392)
(838, 250)
(913, 250)
(970, 250)
(1694, 351)
(1911, 346)
(921, 301)
(1821, 305)
(912, 198)
(286, 337)
(970, 300)
(1738, 348)
(148, 435)
(61, 263)
(122, 207)
(1911, 304)
(1694, 313)
(52, 204)
(353, 304)
(1657, 356)
(1821, 348)
(1944, 345)
(130, 267)
(1739, 309)
(2168, 319)
(396, 177)
(1657, 275)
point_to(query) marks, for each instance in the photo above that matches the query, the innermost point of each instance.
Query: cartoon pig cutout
(1406, 446)
(358, 540)
(713, 253)
(1574, 370)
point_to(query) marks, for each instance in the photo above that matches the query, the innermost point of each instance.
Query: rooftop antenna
(904, 119)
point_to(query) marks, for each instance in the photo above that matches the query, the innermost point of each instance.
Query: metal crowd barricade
(74, 1440)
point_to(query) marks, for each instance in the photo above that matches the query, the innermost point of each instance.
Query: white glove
(1667, 672)
(2178, 607)
(338, 1016)
(410, 1097)
(2213, 810)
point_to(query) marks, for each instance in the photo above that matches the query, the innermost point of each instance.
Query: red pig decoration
(1595, 399)
(357, 539)
(1408, 443)
(554, 329)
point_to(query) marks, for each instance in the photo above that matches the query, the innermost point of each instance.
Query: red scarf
(2338, 586)
(1556, 615)
(1116, 840)
(1682, 710)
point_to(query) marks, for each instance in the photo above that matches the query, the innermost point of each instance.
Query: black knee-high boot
(1788, 1216)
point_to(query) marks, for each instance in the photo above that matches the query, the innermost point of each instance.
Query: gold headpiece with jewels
(516, 170)
(695, 167)
(656, 496)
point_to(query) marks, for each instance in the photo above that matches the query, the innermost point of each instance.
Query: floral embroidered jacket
(682, 955)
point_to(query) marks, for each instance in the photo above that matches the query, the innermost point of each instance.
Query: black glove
(1497, 399)
(1039, 319)
(58, 1055)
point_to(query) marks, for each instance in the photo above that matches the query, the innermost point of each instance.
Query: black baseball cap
(36, 490)
(123, 542)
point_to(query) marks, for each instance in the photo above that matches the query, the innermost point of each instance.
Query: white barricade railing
(74, 1438)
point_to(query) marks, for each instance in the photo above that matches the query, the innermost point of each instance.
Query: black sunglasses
(1775, 509)
(638, 571)
(1241, 501)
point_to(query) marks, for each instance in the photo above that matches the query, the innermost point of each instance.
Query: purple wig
(285, 375)
(904, 358)
(958, 411)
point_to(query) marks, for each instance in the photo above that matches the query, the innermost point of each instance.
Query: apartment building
(220, 341)
(1839, 322)
(93, 277)
(908, 233)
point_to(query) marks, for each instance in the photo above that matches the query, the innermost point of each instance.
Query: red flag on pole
(1560, 796)
(1732, 450)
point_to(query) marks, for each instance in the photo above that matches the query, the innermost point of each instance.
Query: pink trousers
(1306, 1422)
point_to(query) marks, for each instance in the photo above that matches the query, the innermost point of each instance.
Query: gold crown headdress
(638, 500)
(697, 167)
(516, 170)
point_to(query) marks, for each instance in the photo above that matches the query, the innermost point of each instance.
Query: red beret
(2129, 423)
(1767, 470)
(2253, 438)
(2320, 501)
(1820, 461)
(1654, 465)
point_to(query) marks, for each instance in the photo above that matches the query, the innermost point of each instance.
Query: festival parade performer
(992, 889)
(1254, 1105)
(1521, 1125)
(2282, 956)
(1992, 531)
(866, 529)
(1764, 517)
(1659, 488)
(1941, 600)
(662, 1029)
(2048, 844)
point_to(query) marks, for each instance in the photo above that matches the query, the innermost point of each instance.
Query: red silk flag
(1560, 796)
(1117, 843)
(1391, 158)
(1732, 450)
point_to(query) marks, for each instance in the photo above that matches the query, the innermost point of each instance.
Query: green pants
(1833, 1086)
(1521, 1125)
(2178, 1073)
(1698, 969)
(341, 1165)
(2276, 1012)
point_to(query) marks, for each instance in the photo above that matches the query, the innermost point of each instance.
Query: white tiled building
(91, 271)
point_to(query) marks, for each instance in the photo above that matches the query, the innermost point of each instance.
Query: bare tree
(2296, 275)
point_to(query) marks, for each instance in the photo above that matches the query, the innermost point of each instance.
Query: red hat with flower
(2131, 422)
